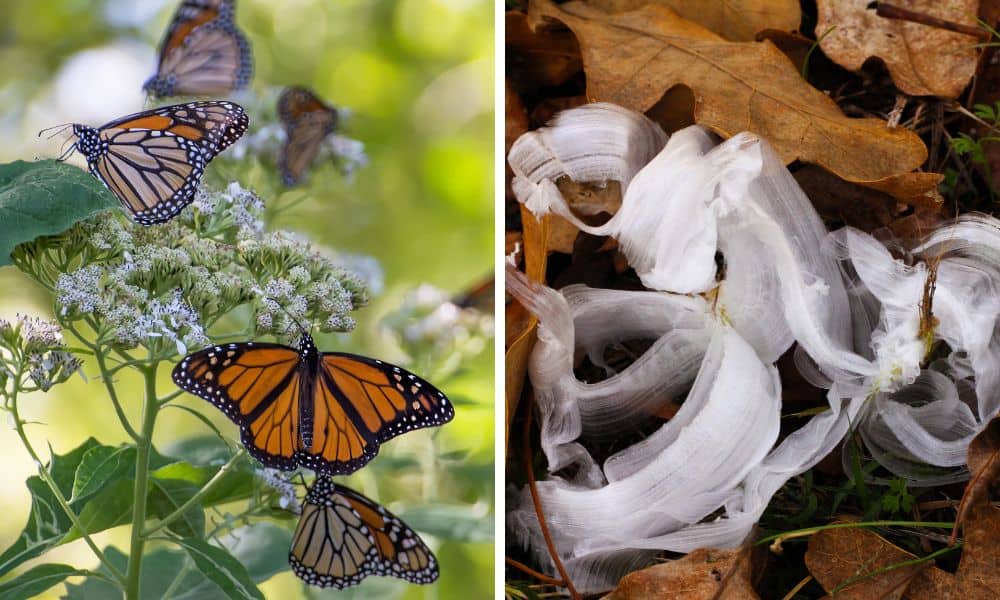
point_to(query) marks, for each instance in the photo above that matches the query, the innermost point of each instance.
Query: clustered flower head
(428, 324)
(275, 479)
(165, 287)
(267, 137)
(34, 347)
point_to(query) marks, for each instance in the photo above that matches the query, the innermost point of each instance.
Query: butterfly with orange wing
(326, 411)
(203, 52)
(307, 120)
(343, 537)
(153, 160)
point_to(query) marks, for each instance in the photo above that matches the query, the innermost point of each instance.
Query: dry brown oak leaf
(854, 562)
(837, 556)
(922, 60)
(736, 20)
(632, 58)
(704, 574)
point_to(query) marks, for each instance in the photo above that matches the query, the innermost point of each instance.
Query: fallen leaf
(546, 109)
(922, 60)
(704, 574)
(916, 189)
(515, 124)
(984, 465)
(838, 556)
(632, 58)
(736, 20)
(586, 200)
(792, 44)
(520, 325)
(912, 229)
(516, 116)
(978, 574)
(538, 59)
(838, 200)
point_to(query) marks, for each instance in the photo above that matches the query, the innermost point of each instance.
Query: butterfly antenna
(60, 127)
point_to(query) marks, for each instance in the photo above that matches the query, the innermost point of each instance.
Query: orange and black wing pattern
(307, 120)
(360, 403)
(153, 161)
(258, 386)
(203, 52)
(343, 537)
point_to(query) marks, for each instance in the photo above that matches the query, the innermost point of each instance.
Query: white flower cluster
(146, 286)
(430, 325)
(863, 321)
(34, 346)
(275, 479)
(236, 207)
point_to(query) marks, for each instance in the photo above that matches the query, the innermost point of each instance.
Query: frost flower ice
(864, 322)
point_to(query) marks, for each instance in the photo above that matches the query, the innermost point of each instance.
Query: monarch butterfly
(325, 411)
(343, 537)
(307, 122)
(203, 53)
(479, 297)
(153, 160)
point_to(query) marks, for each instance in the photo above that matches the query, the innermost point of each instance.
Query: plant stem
(197, 497)
(47, 478)
(106, 378)
(778, 538)
(143, 445)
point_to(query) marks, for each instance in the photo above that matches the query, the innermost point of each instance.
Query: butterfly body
(203, 52)
(343, 537)
(153, 160)
(326, 411)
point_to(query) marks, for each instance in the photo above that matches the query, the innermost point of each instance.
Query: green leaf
(203, 450)
(222, 568)
(100, 466)
(237, 484)
(165, 574)
(167, 495)
(110, 507)
(454, 522)
(36, 580)
(47, 523)
(45, 198)
(262, 548)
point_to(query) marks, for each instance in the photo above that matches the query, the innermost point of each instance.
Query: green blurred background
(417, 76)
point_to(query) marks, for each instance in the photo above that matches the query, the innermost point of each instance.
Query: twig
(529, 571)
(891, 11)
(538, 505)
(795, 590)
(167, 520)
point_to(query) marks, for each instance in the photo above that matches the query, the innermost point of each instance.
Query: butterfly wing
(257, 386)
(190, 14)
(343, 537)
(203, 53)
(361, 402)
(153, 161)
(302, 141)
(307, 122)
(295, 102)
